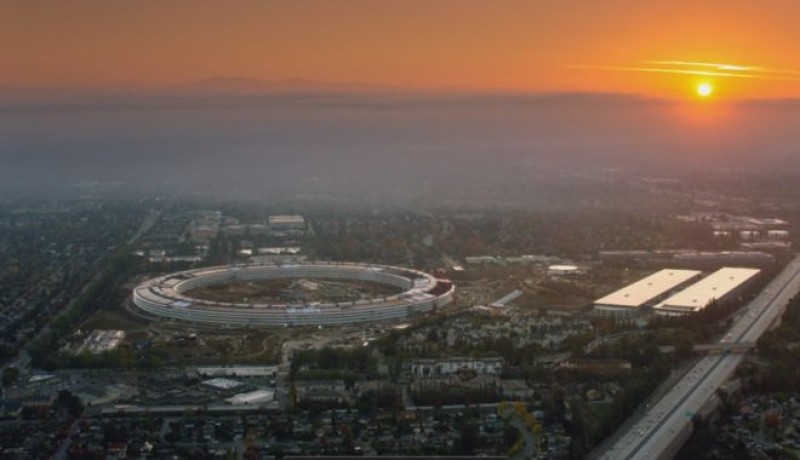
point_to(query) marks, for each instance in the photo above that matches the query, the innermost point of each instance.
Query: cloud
(708, 65)
(729, 67)
(706, 69)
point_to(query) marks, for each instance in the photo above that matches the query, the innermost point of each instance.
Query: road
(658, 431)
(529, 446)
(22, 360)
(61, 453)
(718, 347)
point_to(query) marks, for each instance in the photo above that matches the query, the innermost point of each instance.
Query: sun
(704, 89)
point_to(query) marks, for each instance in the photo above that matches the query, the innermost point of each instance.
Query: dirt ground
(246, 348)
(283, 290)
(482, 285)
(545, 302)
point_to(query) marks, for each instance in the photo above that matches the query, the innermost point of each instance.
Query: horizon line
(328, 88)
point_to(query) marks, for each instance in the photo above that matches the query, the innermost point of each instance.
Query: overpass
(665, 425)
(736, 347)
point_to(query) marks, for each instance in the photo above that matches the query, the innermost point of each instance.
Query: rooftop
(241, 371)
(563, 267)
(714, 286)
(286, 219)
(647, 289)
(257, 396)
(222, 383)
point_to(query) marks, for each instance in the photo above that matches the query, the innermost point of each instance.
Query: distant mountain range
(214, 85)
(254, 85)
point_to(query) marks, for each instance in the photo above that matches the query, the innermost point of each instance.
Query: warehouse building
(286, 222)
(721, 286)
(628, 300)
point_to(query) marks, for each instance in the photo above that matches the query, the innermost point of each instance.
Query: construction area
(286, 290)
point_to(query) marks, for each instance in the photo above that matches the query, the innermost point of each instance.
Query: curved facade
(163, 296)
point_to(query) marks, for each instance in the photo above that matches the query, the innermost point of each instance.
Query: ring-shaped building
(165, 296)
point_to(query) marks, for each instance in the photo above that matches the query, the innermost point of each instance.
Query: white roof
(714, 286)
(240, 371)
(41, 378)
(563, 267)
(294, 219)
(222, 383)
(647, 289)
(501, 302)
(252, 397)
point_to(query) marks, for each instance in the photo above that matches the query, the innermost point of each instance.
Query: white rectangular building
(632, 297)
(252, 397)
(720, 286)
(238, 371)
(221, 383)
(434, 368)
(287, 222)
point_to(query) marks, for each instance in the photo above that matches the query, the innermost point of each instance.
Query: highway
(665, 423)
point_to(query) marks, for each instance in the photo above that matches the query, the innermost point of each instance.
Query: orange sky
(515, 45)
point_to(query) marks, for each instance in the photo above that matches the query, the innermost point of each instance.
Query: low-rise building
(515, 389)
(433, 368)
(721, 286)
(287, 222)
(322, 391)
(252, 397)
(628, 300)
(564, 270)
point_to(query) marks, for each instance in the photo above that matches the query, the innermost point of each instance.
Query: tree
(684, 347)
(70, 403)
(469, 438)
(772, 420)
(725, 402)
(10, 376)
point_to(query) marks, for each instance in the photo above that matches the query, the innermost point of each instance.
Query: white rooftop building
(720, 286)
(100, 341)
(252, 397)
(647, 290)
(238, 371)
(501, 302)
(221, 383)
(563, 270)
(287, 222)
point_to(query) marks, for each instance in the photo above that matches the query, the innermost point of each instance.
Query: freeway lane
(655, 433)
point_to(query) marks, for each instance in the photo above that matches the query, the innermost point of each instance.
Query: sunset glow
(308, 222)
(454, 45)
(705, 89)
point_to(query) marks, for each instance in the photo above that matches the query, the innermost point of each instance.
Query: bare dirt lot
(482, 285)
(575, 292)
(223, 348)
(289, 290)
(114, 319)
